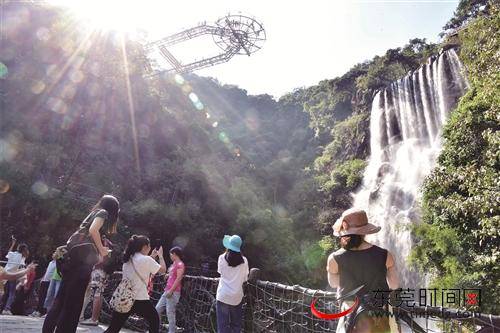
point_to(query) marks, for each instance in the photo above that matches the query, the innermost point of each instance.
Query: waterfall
(405, 128)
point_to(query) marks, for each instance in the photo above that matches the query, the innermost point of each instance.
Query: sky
(307, 41)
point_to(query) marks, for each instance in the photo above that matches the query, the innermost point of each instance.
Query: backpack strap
(139, 275)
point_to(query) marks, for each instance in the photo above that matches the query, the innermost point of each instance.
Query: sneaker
(35, 314)
(89, 322)
(7, 312)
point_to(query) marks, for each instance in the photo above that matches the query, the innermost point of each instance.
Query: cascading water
(406, 121)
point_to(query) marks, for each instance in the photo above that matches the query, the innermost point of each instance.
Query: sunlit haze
(306, 41)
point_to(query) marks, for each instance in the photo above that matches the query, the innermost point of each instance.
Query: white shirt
(230, 289)
(50, 271)
(15, 260)
(145, 266)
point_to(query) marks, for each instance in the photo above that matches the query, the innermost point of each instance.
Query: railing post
(251, 296)
(254, 274)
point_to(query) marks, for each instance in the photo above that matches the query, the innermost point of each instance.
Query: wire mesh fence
(277, 308)
(274, 307)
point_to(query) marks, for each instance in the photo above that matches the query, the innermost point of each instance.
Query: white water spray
(405, 128)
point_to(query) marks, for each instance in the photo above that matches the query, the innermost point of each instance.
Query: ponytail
(134, 245)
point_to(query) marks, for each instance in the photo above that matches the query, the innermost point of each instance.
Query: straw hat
(354, 222)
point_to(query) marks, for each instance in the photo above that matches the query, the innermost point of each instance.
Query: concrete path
(23, 324)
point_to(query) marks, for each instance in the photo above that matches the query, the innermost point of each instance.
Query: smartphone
(156, 243)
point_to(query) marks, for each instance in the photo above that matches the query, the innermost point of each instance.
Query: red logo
(471, 299)
(331, 316)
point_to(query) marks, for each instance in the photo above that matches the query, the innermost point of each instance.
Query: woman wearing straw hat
(233, 269)
(359, 263)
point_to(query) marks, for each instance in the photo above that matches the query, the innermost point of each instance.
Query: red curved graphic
(331, 316)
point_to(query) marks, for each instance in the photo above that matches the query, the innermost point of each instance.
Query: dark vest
(362, 267)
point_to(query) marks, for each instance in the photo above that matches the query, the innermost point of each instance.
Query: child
(43, 288)
(55, 282)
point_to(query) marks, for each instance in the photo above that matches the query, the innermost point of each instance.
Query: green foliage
(467, 10)
(340, 167)
(461, 197)
(346, 176)
(349, 140)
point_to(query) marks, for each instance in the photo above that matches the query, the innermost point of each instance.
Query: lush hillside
(459, 243)
(79, 119)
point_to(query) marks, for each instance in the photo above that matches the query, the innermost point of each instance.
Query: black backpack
(79, 249)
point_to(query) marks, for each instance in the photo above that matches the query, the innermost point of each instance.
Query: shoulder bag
(123, 297)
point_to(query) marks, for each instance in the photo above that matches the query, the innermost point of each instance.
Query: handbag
(123, 297)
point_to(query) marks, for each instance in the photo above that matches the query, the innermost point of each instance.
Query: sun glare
(122, 16)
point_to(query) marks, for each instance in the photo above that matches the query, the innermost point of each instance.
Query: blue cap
(232, 243)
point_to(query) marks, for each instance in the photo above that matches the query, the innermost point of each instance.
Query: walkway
(23, 324)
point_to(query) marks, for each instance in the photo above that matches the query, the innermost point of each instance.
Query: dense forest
(191, 159)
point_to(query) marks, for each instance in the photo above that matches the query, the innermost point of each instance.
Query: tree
(467, 10)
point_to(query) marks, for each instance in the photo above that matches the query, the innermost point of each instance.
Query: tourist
(15, 260)
(43, 288)
(172, 293)
(23, 290)
(138, 267)
(85, 249)
(55, 282)
(8, 276)
(96, 287)
(233, 269)
(359, 263)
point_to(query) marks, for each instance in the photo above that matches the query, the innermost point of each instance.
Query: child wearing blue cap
(233, 269)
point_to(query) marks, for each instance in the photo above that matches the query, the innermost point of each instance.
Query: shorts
(97, 281)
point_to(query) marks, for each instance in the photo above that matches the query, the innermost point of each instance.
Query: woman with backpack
(137, 269)
(85, 249)
(233, 269)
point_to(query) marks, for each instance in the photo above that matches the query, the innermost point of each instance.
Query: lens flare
(194, 98)
(215, 124)
(258, 236)
(181, 241)
(223, 137)
(56, 105)
(4, 186)
(3, 71)
(199, 106)
(280, 211)
(7, 151)
(77, 76)
(179, 79)
(37, 87)
(43, 34)
(39, 188)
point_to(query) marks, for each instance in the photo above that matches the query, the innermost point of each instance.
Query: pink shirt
(172, 276)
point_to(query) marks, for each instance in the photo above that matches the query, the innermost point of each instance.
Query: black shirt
(362, 267)
(85, 225)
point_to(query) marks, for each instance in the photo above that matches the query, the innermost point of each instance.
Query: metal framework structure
(233, 34)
